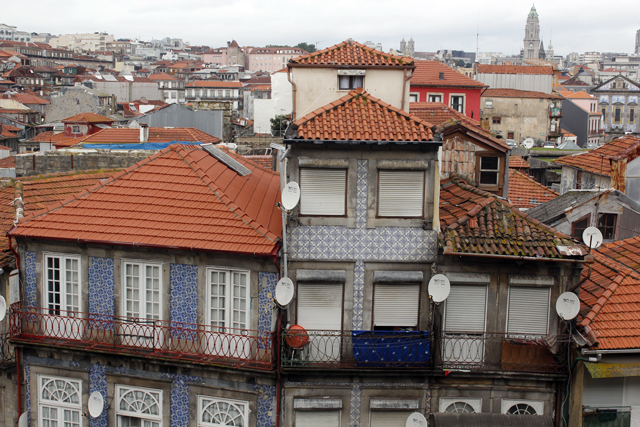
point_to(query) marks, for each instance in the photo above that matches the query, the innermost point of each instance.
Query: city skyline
(253, 23)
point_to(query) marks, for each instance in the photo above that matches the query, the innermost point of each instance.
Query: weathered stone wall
(72, 101)
(64, 161)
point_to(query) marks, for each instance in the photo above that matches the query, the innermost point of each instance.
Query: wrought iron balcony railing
(468, 351)
(143, 337)
(355, 349)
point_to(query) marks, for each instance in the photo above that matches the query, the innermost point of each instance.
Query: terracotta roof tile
(27, 98)
(359, 116)
(181, 197)
(162, 76)
(525, 192)
(8, 162)
(265, 161)
(214, 83)
(156, 134)
(438, 113)
(514, 69)
(477, 222)
(351, 53)
(598, 160)
(87, 118)
(518, 162)
(427, 73)
(515, 93)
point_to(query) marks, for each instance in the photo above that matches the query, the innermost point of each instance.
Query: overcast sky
(449, 24)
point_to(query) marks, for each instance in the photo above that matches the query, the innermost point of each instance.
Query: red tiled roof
(474, 221)
(87, 118)
(598, 161)
(515, 93)
(515, 69)
(579, 95)
(181, 197)
(265, 161)
(161, 76)
(8, 162)
(359, 116)
(438, 113)
(517, 162)
(427, 73)
(213, 83)
(50, 136)
(473, 132)
(610, 302)
(351, 53)
(27, 98)
(38, 193)
(525, 192)
(127, 135)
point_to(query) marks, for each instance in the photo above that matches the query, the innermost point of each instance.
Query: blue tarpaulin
(393, 348)
(139, 146)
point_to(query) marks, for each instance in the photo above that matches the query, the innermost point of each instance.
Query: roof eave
(348, 66)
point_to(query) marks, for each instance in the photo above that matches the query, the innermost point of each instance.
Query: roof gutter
(619, 351)
(351, 141)
(512, 257)
(294, 90)
(272, 253)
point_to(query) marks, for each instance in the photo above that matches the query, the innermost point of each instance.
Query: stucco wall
(525, 117)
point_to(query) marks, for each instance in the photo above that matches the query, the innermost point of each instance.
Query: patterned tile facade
(98, 382)
(30, 279)
(267, 285)
(101, 292)
(360, 243)
(266, 405)
(184, 299)
(27, 379)
(180, 400)
(354, 406)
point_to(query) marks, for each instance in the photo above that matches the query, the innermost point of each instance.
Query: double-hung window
(489, 170)
(138, 407)
(457, 103)
(350, 82)
(401, 193)
(60, 402)
(142, 290)
(217, 412)
(228, 300)
(62, 283)
(323, 191)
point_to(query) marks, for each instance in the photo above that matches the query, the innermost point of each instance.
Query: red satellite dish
(297, 337)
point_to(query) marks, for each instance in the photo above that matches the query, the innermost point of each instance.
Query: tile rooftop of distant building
(514, 69)
(435, 73)
(515, 93)
(87, 118)
(213, 83)
(598, 160)
(438, 113)
(156, 134)
(525, 192)
(518, 162)
(351, 53)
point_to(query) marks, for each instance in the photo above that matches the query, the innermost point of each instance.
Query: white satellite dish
(284, 291)
(592, 237)
(568, 306)
(96, 404)
(528, 143)
(290, 195)
(416, 420)
(24, 420)
(3, 307)
(439, 287)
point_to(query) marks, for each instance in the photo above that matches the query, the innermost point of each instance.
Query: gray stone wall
(72, 101)
(65, 161)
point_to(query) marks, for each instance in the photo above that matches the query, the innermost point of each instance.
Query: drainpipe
(293, 109)
(18, 365)
(404, 90)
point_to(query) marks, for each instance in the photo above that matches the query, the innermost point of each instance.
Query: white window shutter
(317, 419)
(323, 191)
(528, 310)
(396, 305)
(389, 418)
(465, 309)
(320, 306)
(401, 193)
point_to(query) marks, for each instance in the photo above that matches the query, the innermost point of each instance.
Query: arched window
(521, 409)
(459, 408)
(215, 412)
(60, 401)
(139, 406)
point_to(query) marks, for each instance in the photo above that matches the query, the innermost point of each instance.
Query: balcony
(355, 349)
(496, 352)
(596, 132)
(7, 353)
(187, 342)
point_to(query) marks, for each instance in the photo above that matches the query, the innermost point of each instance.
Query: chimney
(441, 76)
(144, 133)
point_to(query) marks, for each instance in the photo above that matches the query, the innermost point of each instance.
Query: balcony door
(62, 317)
(464, 325)
(320, 313)
(228, 314)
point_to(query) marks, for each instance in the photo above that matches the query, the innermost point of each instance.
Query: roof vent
(225, 158)
(441, 76)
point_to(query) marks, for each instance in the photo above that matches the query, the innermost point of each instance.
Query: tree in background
(309, 47)
(279, 125)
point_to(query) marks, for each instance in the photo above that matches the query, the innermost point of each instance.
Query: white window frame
(59, 406)
(537, 405)
(75, 128)
(464, 101)
(512, 332)
(488, 103)
(142, 301)
(152, 418)
(431, 97)
(414, 95)
(475, 403)
(241, 406)
(308, 196)
(354, 82)
(228, 321)
(389, 196)
(62, 307)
